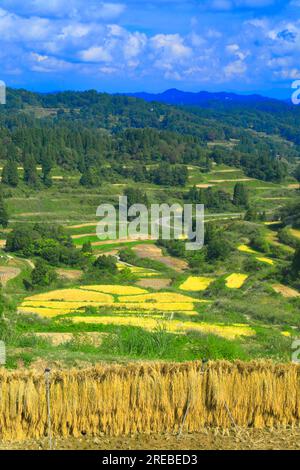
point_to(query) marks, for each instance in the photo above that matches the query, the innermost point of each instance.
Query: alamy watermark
(2, 92)
(296, 94)
(161, 221)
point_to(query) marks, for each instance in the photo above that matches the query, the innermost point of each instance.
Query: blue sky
(150, 45)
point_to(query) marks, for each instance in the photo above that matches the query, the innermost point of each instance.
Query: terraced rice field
(116, 299)
(263, 259)
(115, 289)
(141, 272)
(156, 284)
(128, 306)
(247, 249)
(285, 291)
(173, 326)
(77, 295)
(155, 253)
(7, 273)
(196, 283)
(295, 233)
(236, 280)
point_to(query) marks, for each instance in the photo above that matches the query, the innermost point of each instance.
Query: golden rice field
(247, 249)
(115, 289)
(295, 232)
(164, 297)
(141, 272)
(172, 326)
(146, 398)
(196, 283)
(139, 310)
(236, 280)
(263, 259)
(74, 295)
(45, 312)
(56, 303)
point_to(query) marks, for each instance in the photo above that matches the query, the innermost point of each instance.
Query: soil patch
(7, 273)
(155, 253)
(69, 274)
(156, 284)
(61, 338)
(285, 291)
(243, 439)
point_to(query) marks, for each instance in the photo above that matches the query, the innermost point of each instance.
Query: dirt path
(282, 439)
(118, 241)
(233, 180)
(89, 224)
(77, 237)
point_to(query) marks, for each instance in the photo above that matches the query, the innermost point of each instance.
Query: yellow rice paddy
(196, 283)
(263, 259)
(142, 272)
(163, 307)
(45, 312)
(172, 326)
(163, 297)
(57, 302)
(236, 280)
(141, 309)
(62, 304)
(295, 232)
(73, 295)
(247, 249)
(115, 289)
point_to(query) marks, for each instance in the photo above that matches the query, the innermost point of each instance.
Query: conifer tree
(240, 196)
(3, 212)
(10, 173)
(30, 172)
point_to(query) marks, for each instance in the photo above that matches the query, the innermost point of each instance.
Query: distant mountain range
(202, 98)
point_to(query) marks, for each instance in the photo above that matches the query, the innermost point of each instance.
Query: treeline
(218, 199)
(86, 131)
(46, 241)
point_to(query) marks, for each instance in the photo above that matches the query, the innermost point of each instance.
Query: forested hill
(248, 111)
(86, 130)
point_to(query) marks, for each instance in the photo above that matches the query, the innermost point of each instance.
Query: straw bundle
(149, 398)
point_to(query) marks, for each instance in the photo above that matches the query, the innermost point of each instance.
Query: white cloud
(90, 38)
(80, 9)
(45, 64)
(237, 67)
(234, 49)
(108, 70)
(95, 54)
(288, 74)
(108, 11)
(228, 5)
(134, 45)
(171, 46)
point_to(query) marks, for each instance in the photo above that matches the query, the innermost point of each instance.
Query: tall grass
(149, 398)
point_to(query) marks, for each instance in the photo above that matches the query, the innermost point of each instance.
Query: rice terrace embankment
(149, 398)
